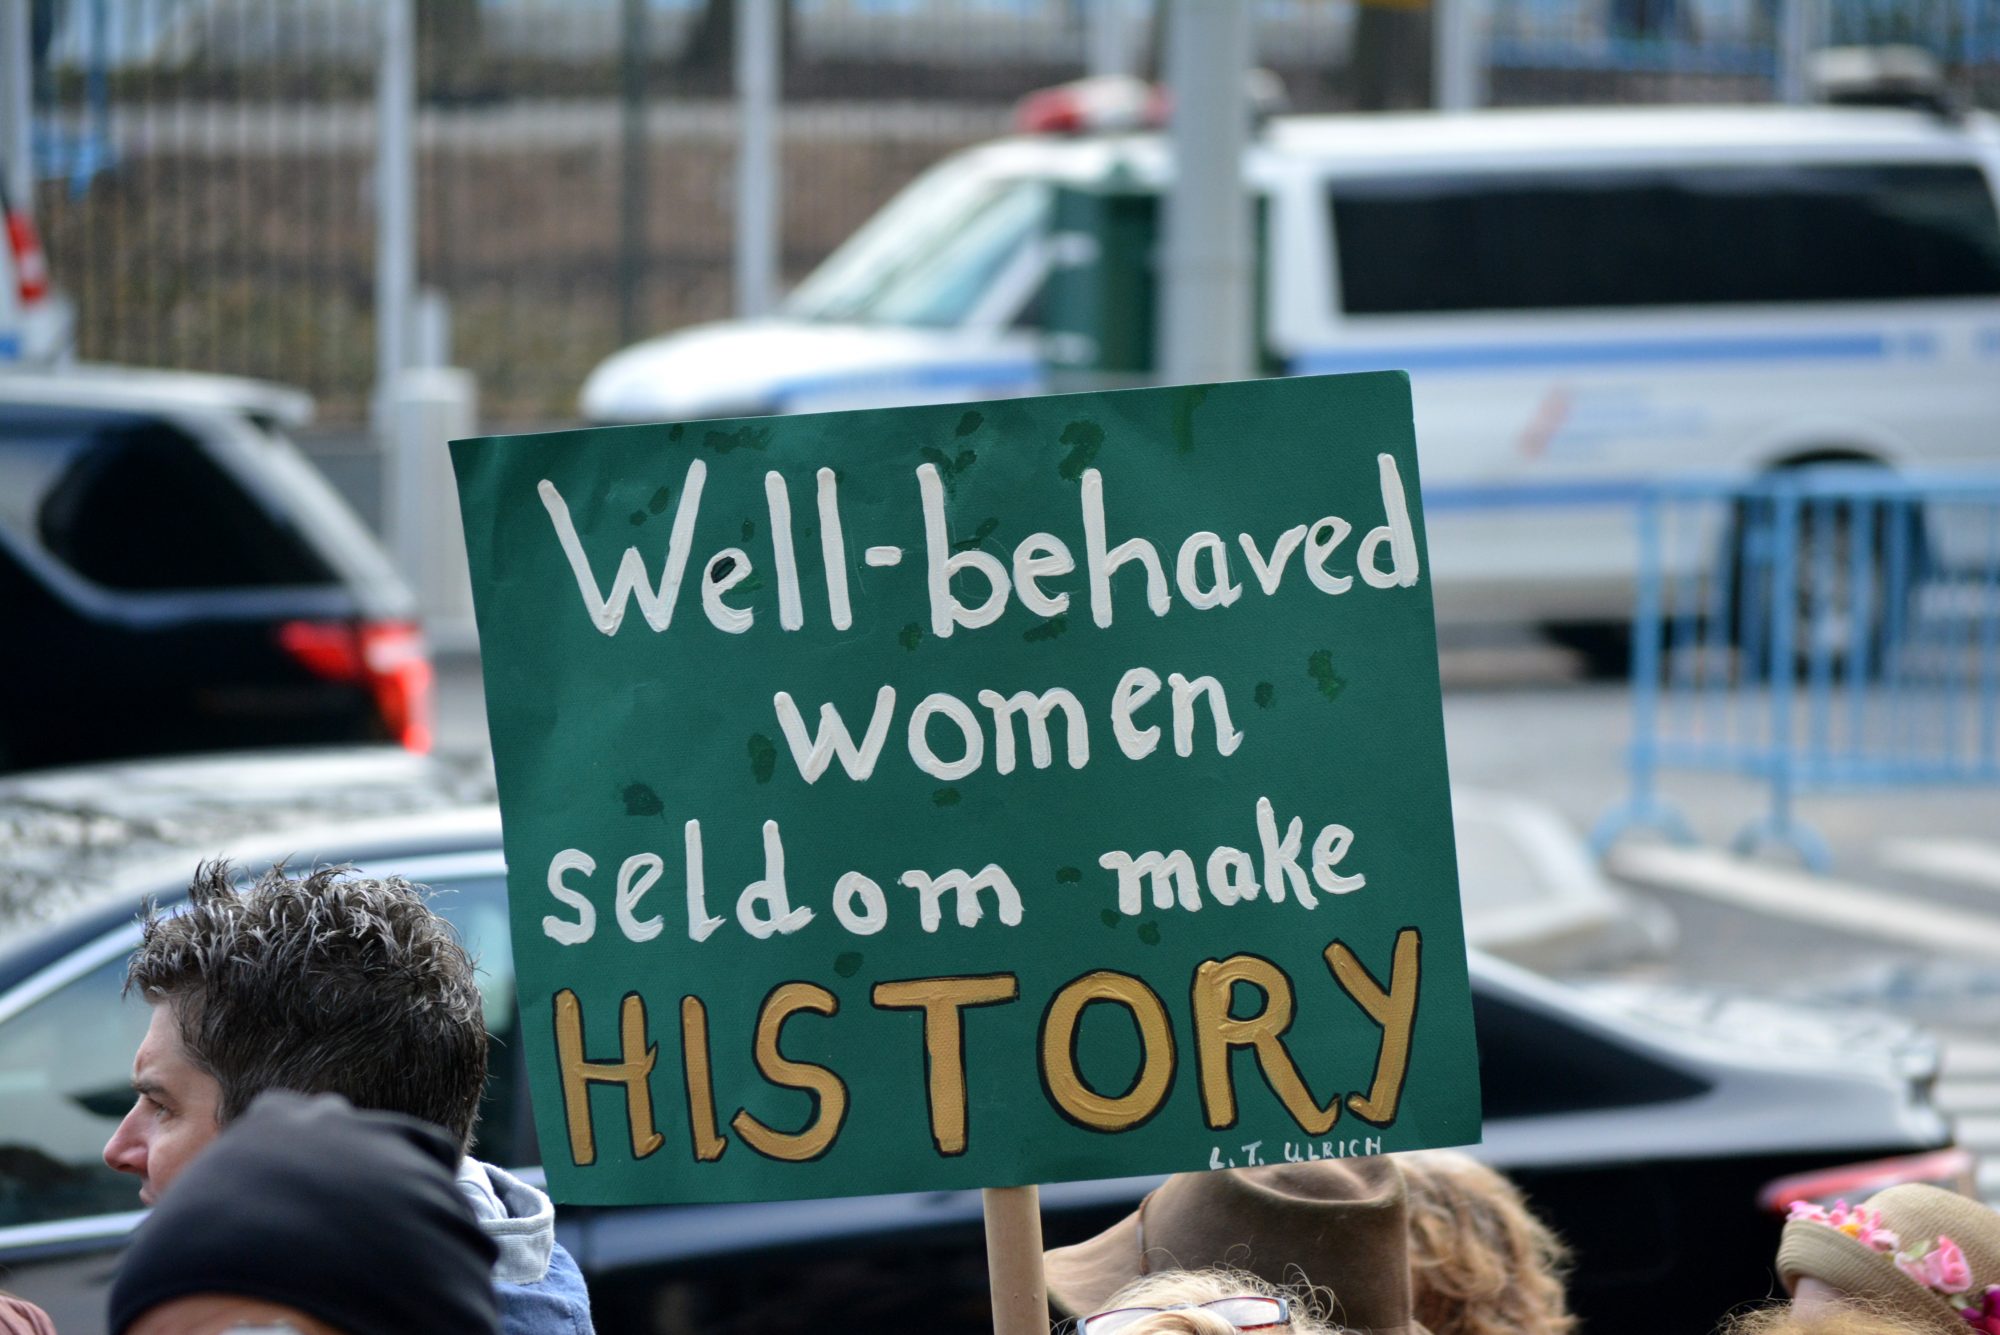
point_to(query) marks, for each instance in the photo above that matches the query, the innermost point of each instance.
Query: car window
(941, 289)
(928, 207)
(477, 907)
(1664, 237)
(1034, 312)
(66, 1067)
(130, 502)
(65, 1082)
(942, 268)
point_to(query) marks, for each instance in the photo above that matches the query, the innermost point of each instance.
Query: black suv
(174, 576)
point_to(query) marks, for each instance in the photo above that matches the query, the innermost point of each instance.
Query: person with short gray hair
(328, 983)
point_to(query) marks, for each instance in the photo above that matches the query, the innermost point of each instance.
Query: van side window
(1664, 237)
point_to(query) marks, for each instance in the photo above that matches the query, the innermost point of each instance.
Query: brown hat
(1925, 1253)
(1339, 1224)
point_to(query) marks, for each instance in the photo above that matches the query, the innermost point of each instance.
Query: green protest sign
(973, 795)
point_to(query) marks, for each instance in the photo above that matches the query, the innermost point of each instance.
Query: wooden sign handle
(1014, 1260)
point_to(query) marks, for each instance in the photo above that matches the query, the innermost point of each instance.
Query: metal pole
(1455, 55)
(1647, 625)
(1784, 663)
(97, 82)
(1644, 809)
(757, 156)
(1107, 38)
(17, 103)
(1795, 46)
(632, 188)
(1206, 306)
(395, 198)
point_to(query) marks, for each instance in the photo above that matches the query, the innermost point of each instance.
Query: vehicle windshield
(930, 257)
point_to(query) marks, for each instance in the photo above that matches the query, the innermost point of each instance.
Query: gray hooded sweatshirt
(540, 1289)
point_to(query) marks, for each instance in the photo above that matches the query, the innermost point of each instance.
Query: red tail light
(31, 267)
(1953, 1168)
(386, 656)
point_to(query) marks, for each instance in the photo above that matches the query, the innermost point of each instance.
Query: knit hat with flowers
(1922, 1252)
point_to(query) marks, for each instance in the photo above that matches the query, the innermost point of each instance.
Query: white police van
(1585, 299)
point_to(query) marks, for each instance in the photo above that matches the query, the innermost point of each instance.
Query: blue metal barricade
(1824, 629)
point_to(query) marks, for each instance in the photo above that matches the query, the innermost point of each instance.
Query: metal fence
(1820, 630)
(206, 165)
(208, 201)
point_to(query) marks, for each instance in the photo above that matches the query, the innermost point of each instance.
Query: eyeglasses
(1245, 1313)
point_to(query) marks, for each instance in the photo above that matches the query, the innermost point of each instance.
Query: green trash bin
(1102, 288)
(1100, 306)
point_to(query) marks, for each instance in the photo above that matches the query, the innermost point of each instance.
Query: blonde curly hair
(1844, 1318)
(1480, 1262)
(1194, 1287)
